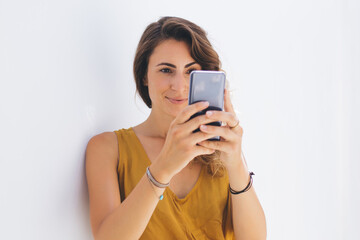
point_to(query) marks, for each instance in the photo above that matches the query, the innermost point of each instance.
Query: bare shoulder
(103, 146)
(102, 178)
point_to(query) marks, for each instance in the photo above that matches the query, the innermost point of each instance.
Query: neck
(157, 124)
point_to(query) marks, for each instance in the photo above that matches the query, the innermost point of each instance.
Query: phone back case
(207, 86)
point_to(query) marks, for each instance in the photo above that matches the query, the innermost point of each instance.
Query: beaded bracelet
(232, 191)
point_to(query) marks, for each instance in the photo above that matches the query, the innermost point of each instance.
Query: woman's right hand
(180, 145)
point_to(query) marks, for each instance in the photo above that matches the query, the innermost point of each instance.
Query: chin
(174, 112)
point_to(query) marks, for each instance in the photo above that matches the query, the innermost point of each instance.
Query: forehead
(171, 51)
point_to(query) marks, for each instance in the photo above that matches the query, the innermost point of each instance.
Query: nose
(180, 82)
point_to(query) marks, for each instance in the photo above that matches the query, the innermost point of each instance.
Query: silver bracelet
(154, 181)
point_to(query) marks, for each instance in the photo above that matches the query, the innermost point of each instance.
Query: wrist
(238, 176)
(248, 186)
(159, 173)
(237, 168)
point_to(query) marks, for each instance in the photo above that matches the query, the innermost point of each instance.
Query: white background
(294, 68)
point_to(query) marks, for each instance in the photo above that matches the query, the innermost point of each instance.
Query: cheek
(157, 86)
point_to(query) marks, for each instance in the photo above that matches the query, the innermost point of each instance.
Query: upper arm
(102, 177)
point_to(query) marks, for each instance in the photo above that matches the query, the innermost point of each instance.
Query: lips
(177, 100)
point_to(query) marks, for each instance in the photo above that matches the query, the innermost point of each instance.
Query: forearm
(248, 216)
(129, 220)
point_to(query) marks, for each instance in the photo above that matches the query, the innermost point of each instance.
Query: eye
(165, 70)
(190, 70)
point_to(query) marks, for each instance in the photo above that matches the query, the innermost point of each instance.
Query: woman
(159, 180)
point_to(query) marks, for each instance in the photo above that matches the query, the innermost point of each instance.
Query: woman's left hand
(230, 135)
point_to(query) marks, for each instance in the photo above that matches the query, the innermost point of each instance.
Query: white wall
(294, 66)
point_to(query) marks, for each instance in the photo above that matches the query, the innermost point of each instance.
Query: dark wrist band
(232, 191)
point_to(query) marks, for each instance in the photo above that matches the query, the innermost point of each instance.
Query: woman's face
(168, 75)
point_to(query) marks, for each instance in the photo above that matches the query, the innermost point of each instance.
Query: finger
(201, 150)
(190, 110)
(195, 123)
(228, 117)
(223, 132)
(200, 136)
(217, 145)
(228, 107)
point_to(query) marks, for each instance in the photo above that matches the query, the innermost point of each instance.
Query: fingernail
(209, 113)
(203, 127)
(204, 103)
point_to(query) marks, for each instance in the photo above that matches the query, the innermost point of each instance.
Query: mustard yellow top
(205, 212)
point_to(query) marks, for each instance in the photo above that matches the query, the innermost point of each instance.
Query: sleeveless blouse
(204, 213)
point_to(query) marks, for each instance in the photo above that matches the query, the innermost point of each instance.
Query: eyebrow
(173, 66)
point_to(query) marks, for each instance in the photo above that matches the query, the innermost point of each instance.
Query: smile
(177, 101)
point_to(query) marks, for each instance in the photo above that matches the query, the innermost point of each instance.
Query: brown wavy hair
(201, 51)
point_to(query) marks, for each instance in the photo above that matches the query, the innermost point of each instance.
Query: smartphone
(207, 86)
